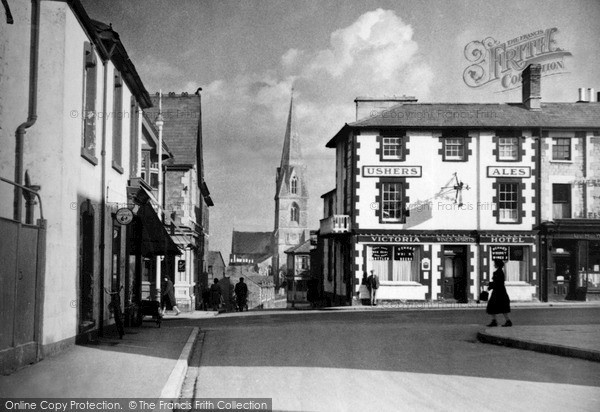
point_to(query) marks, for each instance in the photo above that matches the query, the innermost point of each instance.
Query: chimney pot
(531, 89)
(592, 94)
(582, 96)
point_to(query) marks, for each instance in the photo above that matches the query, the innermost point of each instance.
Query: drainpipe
(103, 192)
(542, 243)
(32, 116)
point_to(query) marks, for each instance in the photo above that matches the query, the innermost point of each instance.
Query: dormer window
(294, 185)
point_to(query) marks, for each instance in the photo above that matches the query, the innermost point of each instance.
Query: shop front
(518, 251)
(572, 254)
(420, 266)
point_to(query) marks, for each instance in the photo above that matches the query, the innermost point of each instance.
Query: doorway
(454, 282)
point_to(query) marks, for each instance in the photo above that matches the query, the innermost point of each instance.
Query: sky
(247, 55)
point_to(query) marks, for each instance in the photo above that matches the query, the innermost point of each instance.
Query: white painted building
(427, 195)
(70, 78)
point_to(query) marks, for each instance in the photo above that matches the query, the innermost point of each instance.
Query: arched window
(295, 213)
(294, 185)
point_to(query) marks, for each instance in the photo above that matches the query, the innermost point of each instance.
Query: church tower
(291, 199)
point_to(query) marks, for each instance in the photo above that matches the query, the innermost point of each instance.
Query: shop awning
(155, 239)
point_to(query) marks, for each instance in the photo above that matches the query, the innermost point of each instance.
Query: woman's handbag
(484, 296)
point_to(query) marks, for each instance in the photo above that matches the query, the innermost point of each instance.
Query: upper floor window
(89, 103)
(454, 148)
(561, 148)
(509, 206)
(392, 202)
(117, 120)
(561, 201)
(294, 185)
(295, 213)
(391, 148)
(508, 148)
(304, 263)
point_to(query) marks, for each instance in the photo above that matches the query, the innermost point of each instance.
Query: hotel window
(561, 201)
(561, 148)
(398, 263)
(392, 148)
(508, 148)
(88, 149)
(516, 262)
(117, 120)
(454, 148)
(294, 185)
(392, 205)
(295, 213)
(508, 202)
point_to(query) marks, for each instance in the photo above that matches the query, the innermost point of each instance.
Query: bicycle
(115, 307)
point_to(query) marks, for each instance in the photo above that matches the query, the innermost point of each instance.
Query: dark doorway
(86, 268)
(454, 282)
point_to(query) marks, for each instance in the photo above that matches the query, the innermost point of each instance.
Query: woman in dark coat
(499, 301)
(168, 295)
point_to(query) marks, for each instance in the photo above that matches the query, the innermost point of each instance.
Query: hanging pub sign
(181, 266)
(500, 253)
(380, 253)
(404, 253)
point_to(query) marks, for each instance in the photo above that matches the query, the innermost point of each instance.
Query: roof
(214, 256)
(585, 115)
(251, 243)
(181, 114)
(302, 248)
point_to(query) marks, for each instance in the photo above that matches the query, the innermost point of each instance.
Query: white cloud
(245, 117)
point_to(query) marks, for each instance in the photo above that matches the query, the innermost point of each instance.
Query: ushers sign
(507, 171)
(391, 171)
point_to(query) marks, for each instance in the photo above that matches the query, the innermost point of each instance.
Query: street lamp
(159, 122)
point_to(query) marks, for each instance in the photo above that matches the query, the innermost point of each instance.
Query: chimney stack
(592, 94)
(532, 88)
(582, 98)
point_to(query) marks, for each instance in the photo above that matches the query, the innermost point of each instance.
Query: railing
(335, 224)
(30, 190)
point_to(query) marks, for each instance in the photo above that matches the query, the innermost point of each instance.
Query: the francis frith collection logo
(493, 62)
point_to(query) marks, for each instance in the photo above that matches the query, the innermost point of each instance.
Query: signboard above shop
(391, 171)
(508, 171)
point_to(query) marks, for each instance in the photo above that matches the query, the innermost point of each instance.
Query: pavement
(151, 362)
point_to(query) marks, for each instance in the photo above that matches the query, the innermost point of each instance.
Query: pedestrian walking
(372, 286)
(241, 294)
(168, 297)
(499, 302)
(215, 295)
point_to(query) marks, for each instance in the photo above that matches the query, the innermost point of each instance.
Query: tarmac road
(390, 361)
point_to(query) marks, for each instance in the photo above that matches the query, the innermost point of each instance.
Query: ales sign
(493, 62)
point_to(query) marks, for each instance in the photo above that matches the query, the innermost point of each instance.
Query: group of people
(212, 297)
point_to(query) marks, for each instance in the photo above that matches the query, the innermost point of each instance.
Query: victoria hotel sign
(494, 62)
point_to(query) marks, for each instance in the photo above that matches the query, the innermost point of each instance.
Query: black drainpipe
(32, 116)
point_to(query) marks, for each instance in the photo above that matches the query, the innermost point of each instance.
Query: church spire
(291, 154)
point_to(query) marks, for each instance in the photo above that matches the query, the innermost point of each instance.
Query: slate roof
(302, 248)
(181, 113)
(480, 115)
(251, 243)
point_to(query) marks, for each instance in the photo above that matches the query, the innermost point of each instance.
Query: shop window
(398, 263)
(88, 149)
(508, 202)
(561, 148)
(392, 202)
(561, 201)
(516, 262)
(508, 149)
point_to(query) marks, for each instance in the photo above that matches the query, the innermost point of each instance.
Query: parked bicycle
(115, 307)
